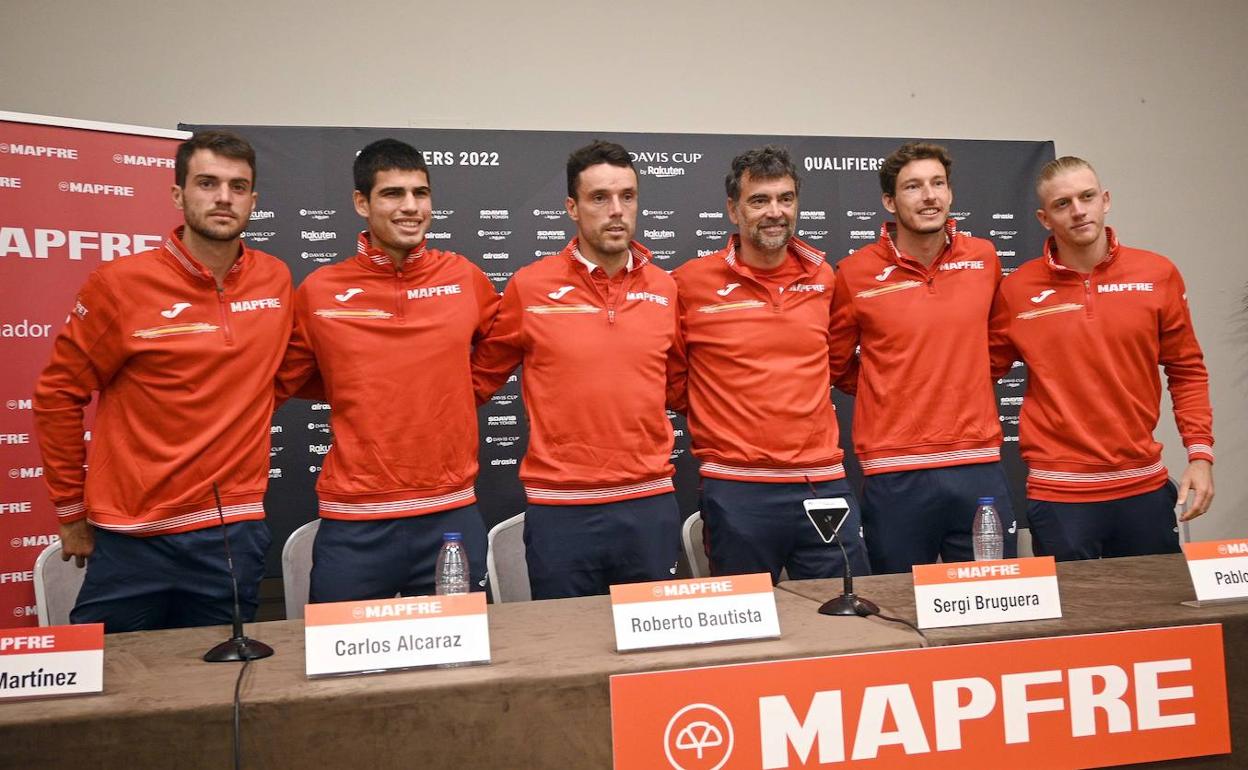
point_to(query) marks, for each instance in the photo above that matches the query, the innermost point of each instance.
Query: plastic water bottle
(986, 532)
(452, 570)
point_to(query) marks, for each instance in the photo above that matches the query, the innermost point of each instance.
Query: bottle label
(977, 592)
(408, 632)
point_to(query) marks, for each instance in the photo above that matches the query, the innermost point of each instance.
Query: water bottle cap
(987, 501)
(452, 536)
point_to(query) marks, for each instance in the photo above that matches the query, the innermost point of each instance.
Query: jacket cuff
(69, 512)
(1199, 451)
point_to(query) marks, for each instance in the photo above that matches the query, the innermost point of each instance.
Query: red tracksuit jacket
(1092, 344)
(595, 354)
(391, 347)
(924, 395)
(184, 374)
(757, 356)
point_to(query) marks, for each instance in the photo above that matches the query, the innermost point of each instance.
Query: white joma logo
(1042, 296)
(558, 293)
(348, 294)
(887, 272)
(724, 292)
(178, 307)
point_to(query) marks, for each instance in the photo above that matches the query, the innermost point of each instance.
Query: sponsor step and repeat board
(75, 194)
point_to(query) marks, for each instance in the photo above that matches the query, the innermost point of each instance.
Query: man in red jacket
(181, 343)
(754, 323)
(594, 326)
(388, 333)
(1092, 320)
(926, 428)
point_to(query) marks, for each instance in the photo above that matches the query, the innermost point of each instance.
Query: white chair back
(509, 572)
(297, 568)
(56, 586)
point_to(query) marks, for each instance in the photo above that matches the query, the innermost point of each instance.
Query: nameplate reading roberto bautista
(698, 611)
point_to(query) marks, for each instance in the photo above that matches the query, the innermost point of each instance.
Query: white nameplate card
(670, 613)
(385, 634)
(52, 660)
(975, 592)
(1219, 569)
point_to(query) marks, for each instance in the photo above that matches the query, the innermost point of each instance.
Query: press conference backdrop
(498, 199)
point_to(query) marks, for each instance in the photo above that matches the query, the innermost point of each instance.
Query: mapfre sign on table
(1064, 702)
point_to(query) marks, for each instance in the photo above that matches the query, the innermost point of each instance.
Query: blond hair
(1061, 166)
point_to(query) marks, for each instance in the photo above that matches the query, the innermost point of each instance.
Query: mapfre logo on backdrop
(1078, 701)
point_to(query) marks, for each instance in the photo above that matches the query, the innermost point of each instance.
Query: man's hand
(1197, 478)
(77, 541)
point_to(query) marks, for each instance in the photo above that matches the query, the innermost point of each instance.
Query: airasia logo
(698, 737)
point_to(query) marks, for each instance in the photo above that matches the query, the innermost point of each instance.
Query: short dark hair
(385, 155)
(219, 142)
(770, 162)
(592, 154)
(907, 153)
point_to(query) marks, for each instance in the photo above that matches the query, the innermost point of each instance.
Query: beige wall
(1151, 91)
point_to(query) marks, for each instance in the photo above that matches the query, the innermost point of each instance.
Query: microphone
(237, 647)
(828, 516)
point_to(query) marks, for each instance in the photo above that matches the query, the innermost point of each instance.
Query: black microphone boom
(238, 646)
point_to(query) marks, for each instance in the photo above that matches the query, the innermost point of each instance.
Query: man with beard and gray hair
(754, 325)
(181, 343)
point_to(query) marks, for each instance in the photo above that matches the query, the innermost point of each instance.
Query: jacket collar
(638, 256)
(886, 237)
(807, 256)
(377, 259)
(181, 257)
(1052, 260)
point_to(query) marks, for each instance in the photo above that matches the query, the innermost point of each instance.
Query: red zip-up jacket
(924, 395)
(757, 355)
(595, 352)
(392, 347)
(184, 373)
(1092, 344)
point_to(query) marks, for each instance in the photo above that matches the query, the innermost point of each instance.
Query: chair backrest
(297, 568)
(695, 552)
(56, 586)
(509, 572)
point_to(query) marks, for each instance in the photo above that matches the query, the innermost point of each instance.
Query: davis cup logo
(698, 737)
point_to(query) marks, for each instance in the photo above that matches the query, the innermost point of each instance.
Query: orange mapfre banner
(1064, 702)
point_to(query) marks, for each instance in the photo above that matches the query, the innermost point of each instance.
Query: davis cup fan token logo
(698, 737)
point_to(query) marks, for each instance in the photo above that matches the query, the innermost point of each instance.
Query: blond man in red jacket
(1093, 320)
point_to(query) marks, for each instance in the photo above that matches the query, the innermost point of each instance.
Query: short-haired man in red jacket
(1092, 320)
(595, 327)
(389, 332)
(181, 344)
(926, 428)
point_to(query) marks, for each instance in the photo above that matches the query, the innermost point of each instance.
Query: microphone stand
(848, 603)
(237, 647)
